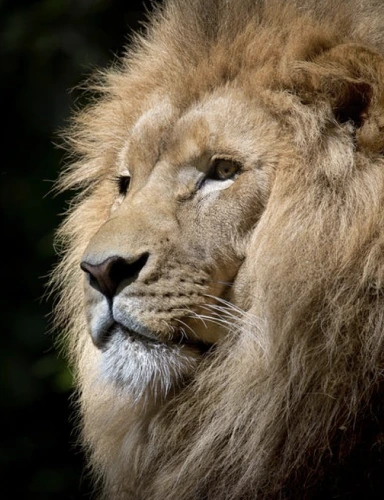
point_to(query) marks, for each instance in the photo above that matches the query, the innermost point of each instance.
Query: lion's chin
(144, 367)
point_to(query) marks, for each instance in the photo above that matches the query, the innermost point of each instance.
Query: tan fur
(281, 270)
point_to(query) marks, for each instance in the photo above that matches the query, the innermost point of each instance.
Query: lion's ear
(351, 78)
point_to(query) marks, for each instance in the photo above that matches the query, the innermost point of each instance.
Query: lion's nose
(107, 276)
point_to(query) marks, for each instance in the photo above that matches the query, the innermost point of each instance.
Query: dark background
(47, 48)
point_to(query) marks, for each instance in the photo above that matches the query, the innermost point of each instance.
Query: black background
(47, 48)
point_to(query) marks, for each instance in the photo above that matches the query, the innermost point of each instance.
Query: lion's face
(162, 270)
(229, 225)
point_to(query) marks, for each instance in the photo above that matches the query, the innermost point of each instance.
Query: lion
(222, 275)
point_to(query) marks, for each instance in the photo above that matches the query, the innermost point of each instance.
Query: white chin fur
(145, 369)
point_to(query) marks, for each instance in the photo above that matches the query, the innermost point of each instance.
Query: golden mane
(285, 405)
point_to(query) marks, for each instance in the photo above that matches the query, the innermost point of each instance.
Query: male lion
(223, 274)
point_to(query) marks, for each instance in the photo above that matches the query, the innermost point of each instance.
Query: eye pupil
(223, 169)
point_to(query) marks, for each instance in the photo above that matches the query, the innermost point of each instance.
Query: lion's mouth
(147, 337)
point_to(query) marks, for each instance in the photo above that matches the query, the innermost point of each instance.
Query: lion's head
(227, 319)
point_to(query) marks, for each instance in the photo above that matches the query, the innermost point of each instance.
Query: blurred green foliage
(47, 47)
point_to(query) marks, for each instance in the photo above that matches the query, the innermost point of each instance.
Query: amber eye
(223, 169)
(122, 182)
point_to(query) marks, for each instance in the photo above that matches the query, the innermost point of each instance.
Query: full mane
(290, 404)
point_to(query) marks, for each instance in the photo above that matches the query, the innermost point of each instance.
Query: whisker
(190, 312)
(183, 333)
(186, 326)
(216, 320)
(222, 310)
(211, 319)
(226, 303)
(217, 282)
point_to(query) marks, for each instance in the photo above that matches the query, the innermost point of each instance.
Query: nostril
(102, 275)
(109, 274)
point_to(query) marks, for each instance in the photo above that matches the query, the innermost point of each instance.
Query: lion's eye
(223, 169)
(122, 182)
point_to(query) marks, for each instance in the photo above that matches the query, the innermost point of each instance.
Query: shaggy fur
(289, 402)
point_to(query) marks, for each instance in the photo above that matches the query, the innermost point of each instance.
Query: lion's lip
(140, 334)
(133, 329)
(106, 329)
(144, 335)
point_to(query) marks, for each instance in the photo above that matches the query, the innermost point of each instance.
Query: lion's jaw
(176, 240)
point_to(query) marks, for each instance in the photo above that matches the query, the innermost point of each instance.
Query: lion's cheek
(241, 289)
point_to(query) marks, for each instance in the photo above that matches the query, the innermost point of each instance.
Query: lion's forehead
(218, 123)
